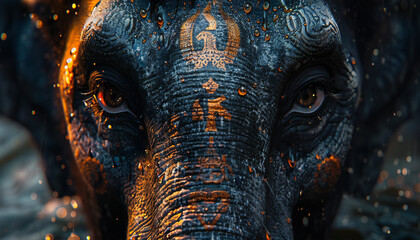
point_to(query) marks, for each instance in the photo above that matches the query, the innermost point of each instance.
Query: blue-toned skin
(212, 140)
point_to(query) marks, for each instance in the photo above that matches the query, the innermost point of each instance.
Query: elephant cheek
(93, 172)
(327, 174)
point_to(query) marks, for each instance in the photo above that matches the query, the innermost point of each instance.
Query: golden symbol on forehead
(211, 86)
(209, 53)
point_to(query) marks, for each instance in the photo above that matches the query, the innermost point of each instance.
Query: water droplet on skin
(267, 37)
(242, 91)
(257, 33)
(264, 25)
(143, 13)
(247, 8)
(285, 8)
(159, 20)
(161, 40)
(266, 5)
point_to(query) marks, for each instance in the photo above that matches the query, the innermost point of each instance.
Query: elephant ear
(33, 36)
(387, 38)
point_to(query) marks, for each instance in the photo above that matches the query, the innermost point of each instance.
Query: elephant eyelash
(92, 106)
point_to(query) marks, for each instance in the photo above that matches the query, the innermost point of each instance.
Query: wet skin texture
(212, 119)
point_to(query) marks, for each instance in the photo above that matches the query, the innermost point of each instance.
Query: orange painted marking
(197, 111)
(210, 19)
(209, 53)
(202, 199)
(213, 169)
(211, 86)
(215, 109)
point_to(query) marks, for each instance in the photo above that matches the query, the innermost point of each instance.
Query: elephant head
(214, 119)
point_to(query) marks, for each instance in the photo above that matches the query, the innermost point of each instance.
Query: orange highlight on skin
(292, 164)
(327, 174)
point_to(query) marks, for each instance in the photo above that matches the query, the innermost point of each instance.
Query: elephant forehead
(223, 48)
(255, 39)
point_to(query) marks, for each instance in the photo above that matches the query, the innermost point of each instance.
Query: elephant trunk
(209, 182)
(211, 192)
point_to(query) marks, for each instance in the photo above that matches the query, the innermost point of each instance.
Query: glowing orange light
(61, 212)
(49, 236)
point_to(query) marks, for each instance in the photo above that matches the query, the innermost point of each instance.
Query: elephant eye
(111, 99)
(308, 100)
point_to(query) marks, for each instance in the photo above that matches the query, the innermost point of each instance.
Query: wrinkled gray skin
(186, 161)
(268, 161)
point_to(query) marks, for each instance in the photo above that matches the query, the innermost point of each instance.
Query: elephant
(227, 119)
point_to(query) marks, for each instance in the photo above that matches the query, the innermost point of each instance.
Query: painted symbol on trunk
(215, 109)
(209, 53)
(216, 201)
(213, 169)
